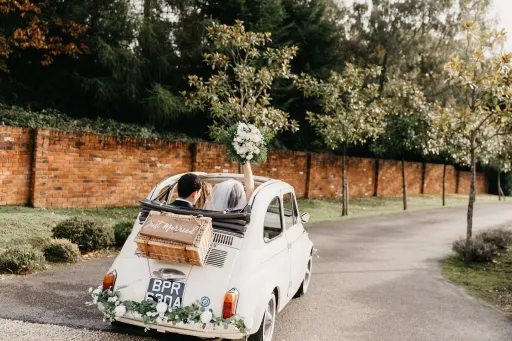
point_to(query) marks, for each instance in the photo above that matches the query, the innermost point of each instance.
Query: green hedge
(54, 120)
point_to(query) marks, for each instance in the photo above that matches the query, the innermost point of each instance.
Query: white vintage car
(260, 259)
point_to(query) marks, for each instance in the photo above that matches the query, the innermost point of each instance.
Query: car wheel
(266, 330)
(307, 279)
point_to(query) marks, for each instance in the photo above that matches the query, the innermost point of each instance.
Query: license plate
(162, 290)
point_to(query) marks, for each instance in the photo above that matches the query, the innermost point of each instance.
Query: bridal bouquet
(246, 143)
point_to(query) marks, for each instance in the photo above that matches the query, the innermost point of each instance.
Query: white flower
(161, 308)
(206, 316)
(90, 290)
(96, 291)
(112, 299)
(101, 307)
(120, 310)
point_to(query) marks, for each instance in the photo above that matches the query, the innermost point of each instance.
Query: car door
(294, 232)
(276, 246)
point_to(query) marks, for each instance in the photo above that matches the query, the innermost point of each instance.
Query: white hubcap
(269, 319)
(307, 277)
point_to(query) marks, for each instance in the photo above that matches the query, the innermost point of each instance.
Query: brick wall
(390, 178)
(56, 169)
(85, 170)
(325, 176)
(291, 166)
(15, 165)
(481, 183)
(434, 179)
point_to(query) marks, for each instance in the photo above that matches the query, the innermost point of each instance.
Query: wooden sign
(173, 227)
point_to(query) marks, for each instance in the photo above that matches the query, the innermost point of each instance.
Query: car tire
(307, 279)
(266, 330)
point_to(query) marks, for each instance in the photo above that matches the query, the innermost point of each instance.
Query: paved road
(377, 279)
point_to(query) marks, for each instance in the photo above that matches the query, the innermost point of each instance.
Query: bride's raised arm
(248, 180)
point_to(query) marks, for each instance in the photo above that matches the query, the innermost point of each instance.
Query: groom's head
(189, 188)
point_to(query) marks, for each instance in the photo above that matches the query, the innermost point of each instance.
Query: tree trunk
(147, 9)
(344, 187)
(499, 185)
(500, 190)
(472, 196)
(444, 184)
(404, 184)
(346, 200)
(240, 171)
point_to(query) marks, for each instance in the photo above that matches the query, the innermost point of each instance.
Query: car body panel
(253, 265)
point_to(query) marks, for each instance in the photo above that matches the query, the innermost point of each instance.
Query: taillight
(109, 280)
(230, 300)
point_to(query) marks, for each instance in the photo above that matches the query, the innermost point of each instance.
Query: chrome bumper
(180, 328)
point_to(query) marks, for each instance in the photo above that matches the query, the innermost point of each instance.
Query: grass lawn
(329, 210)
(491, 282)
(19, 225)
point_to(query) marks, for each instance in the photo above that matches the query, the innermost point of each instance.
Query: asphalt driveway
(376, 279)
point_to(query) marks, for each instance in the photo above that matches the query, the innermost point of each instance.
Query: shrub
(22, 257)
(89, 234)
(480, 250)
(122, 230)
(499, 237)
(36, 242)
(61, 250)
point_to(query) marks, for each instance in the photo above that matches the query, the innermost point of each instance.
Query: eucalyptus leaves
(193, 316)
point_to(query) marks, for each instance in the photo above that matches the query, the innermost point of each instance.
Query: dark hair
(188, 184)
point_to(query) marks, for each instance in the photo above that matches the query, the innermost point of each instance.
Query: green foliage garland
(109, 304)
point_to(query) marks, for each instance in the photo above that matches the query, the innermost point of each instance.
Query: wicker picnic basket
(192, 252)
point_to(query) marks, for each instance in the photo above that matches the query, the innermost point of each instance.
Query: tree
(350, 113)
(408, 126)
(239, 90)
(313, 26)
(482, 78)
(26, 27)
(409, 37)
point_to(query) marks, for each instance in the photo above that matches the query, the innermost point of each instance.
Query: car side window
(272, 225)
(290, 212)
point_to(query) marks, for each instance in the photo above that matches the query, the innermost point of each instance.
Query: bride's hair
(227, 195)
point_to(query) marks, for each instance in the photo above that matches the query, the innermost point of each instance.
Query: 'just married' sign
(173, 227)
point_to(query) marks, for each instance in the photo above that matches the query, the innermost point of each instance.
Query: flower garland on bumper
(150, 312)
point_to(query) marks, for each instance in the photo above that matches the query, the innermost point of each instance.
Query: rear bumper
(231, 333)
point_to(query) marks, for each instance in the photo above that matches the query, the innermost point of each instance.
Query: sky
(501, 9)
